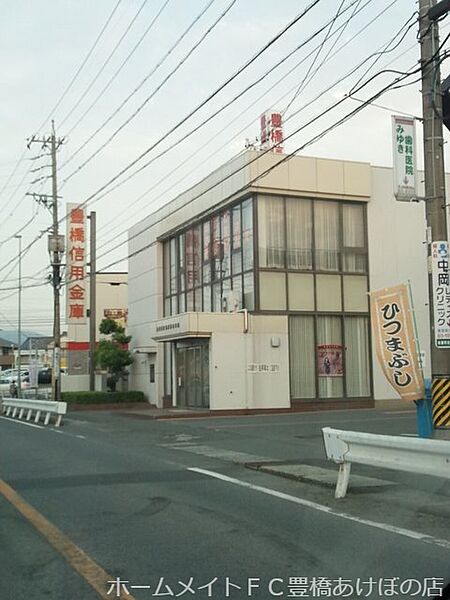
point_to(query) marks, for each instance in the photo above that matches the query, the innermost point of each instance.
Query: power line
(124, 62)
(319, 50)
(198, 107)
(105, 63)
(251, 106)
(146, 78)
(390, 86)
(81, 67)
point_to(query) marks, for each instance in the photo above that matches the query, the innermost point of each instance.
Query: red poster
(329, 360)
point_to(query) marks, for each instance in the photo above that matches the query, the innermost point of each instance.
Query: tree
(112, 354)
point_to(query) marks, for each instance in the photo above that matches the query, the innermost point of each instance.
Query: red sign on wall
(76, 265)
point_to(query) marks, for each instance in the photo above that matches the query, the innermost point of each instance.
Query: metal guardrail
(414, 455)
(18, 406)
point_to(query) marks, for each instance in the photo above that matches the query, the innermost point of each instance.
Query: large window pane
(226, 244)
(226, 295)
(247, 235)
(326, 223)
(216, 298)
(271, 241)
(237, 291)
(207, 298)
(189, 257)
(299, 233)
(173, 266)
(181, 263)
(198, 299)
(357, 363)
(196, 251)
(236, 239)
(302, 357)
(190, 301)
(166, 267)
(216, 245)
(329, 357)
(354, 257)
(249, 291)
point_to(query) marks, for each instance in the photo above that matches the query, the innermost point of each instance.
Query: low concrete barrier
(18, 407)
(414, 455)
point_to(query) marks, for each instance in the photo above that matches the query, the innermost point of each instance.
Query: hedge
(102, 397)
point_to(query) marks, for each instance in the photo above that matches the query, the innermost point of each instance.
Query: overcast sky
(44, 43)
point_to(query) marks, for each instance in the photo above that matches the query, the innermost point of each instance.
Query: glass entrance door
(192, 372)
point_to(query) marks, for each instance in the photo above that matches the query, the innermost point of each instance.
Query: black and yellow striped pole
(441, 402)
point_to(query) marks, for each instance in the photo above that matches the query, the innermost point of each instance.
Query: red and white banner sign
(76, 275)
(272, 131)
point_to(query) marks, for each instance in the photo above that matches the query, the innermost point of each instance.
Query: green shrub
(102, 397)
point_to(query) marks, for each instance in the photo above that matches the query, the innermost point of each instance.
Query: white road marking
(421, 537)
(22, 423)
(220, 453)
(67, 433)
(409, 434)
(306, 423)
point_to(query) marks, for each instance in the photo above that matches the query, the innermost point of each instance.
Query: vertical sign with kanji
(441, 293)
(76, 265)
(395, 341)
(272, 131)
(404, 158)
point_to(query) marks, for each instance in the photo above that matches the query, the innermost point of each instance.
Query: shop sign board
(76, 265)
(441, 293)
(395, 341)
(404, 158)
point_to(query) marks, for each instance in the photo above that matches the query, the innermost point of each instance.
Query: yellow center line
(95, 576)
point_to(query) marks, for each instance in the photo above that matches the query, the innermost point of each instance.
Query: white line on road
(67, 433)
(22, 423)
(305, 423)
(422, 537)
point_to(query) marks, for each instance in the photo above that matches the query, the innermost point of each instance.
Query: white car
(5, 383)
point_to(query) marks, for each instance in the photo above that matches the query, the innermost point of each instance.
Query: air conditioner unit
(231, 302)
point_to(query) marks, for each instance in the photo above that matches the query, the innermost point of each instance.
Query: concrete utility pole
(56, 250)
(433, 142)
(19, 322)
(92, 300)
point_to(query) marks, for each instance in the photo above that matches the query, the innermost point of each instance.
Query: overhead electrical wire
(82, 65)
(285, 158)
(104, 65)
(212, 95)
(101, 94)
(319, 50)
(146, 78)
(252, 105)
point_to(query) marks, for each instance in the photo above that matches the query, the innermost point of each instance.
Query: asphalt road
(116, 496)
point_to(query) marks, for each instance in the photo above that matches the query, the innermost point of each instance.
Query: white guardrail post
(10, 407)
(413, 455)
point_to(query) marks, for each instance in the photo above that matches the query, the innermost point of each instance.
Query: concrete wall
(397, 254)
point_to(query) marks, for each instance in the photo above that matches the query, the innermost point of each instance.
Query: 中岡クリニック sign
(441, 293)
(395, 341)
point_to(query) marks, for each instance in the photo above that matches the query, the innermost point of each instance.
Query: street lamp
(19, 323)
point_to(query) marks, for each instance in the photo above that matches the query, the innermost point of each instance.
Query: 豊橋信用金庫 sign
(395, 341)
(76, 264)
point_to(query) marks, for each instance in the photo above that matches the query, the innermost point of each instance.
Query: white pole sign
(404, 158)
(441, 293)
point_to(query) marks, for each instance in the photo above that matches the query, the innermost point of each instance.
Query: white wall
(397, 253)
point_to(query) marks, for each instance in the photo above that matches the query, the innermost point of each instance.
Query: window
(299, 234)
(326, 215)
(152, 372)
(236, 239)
(357, 363)
(302, 357)
(330, 357)
(271, 232)
(247, 235)
(354, 255)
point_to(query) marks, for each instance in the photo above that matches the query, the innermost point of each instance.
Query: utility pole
(433, 143)
(56, 250)
(92, 300)
(19, 322)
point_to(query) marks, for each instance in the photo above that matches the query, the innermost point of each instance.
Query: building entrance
(192, 373)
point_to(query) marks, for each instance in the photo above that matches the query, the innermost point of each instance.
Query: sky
(116, 78)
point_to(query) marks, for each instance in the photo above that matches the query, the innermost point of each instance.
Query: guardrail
(18, 406)
(414, 455)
